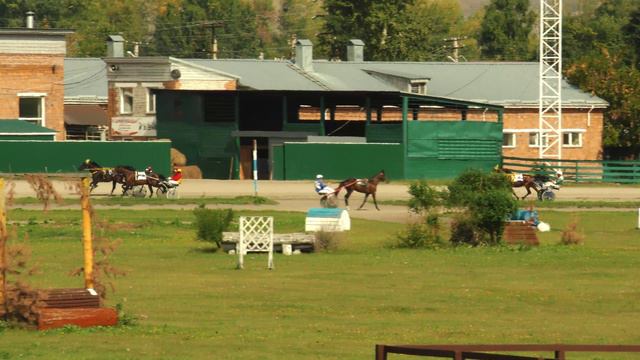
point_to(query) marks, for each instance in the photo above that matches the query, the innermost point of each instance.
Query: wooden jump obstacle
(61, 307)
(520, 233)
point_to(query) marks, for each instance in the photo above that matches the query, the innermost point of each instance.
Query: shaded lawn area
(193, 304)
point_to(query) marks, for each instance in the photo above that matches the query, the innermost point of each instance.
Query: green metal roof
(21, 127)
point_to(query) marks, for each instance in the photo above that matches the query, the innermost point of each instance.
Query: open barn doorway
(246, 158)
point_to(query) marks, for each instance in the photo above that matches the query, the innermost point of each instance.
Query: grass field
(191, 303)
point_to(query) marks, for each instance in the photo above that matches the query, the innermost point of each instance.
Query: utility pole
(455, 46)
(214, 40)
(292, 45)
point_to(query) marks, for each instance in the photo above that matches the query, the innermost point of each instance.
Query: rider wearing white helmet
(321, 187)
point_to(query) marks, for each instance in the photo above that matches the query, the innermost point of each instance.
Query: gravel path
(299, 196)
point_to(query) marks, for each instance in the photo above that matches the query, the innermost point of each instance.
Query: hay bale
(178, 158)
(191, 172)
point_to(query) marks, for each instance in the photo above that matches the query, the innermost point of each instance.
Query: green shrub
(423, 197)
(463, 232)
(488, 200)
(211, 223)
(422, 235)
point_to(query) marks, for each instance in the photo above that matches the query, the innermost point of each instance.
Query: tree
(601, 57)
(504, 34)
(392, 30)
(186, 27)
(375, 22)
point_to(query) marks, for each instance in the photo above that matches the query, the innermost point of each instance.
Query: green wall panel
(278, 162)
(207, 144)
(443, 149)
(66, 156)
(384, 133)
(340, 161)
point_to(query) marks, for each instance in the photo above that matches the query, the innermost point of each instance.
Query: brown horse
(537, 182)
(132, 179)
(100, 174)
(365, 186)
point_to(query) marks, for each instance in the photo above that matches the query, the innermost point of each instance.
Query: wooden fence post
(86, 234)
(3, 251)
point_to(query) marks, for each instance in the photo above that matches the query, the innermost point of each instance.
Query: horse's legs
(528, 188)
(513, 191)
(346, 197)
(364, 201)
(150, 190)
(373, 195)
(113, 188)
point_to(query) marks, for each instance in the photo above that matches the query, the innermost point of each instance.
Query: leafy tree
(411, 30)
(375, 22)
(600, 60)
(186, 27)
(505, 30)
(632, 34)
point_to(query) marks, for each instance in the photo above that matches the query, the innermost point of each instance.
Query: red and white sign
(133, 126)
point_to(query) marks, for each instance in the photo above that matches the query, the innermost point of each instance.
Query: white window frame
(41, 121)
(421, 87)
(537, 139)
(513, 140)
(122, 97)
(151, 101)
(571, 135)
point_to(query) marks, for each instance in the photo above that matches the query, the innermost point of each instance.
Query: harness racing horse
(365, 186)
(538, 182)
(132, 179)
(100, 174)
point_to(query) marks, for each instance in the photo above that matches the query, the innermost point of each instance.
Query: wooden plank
(83, 317)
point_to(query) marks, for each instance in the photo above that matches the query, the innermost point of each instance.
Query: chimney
(304, 54)
(115, 46)
(355, 50)
(29, 19)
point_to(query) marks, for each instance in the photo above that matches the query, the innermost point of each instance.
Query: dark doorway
(246, 158)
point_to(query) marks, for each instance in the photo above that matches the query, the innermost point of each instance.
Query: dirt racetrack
(299, 195)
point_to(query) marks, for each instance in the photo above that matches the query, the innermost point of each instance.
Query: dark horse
(131, 179)
(100, 174)
(366, 186)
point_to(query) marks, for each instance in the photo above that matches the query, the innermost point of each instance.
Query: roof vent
(355, 50)
(304, 54)
(115, 46)
(29, 19)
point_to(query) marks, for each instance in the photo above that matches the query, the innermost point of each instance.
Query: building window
(534, 139)
(31, 109)
(508, 140)
(419, 87)
(126, 100)
(151, 101)
(572, 139)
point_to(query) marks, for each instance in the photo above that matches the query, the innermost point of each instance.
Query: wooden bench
(520, 232)
(298, 241)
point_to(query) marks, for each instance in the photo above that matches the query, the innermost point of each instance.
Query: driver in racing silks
(321, 187)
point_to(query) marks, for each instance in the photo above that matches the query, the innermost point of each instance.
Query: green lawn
(194, 304)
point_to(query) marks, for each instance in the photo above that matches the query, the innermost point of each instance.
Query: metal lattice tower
(550, 102)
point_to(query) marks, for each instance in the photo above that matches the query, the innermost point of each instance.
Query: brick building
(513, 85)
(32, 73)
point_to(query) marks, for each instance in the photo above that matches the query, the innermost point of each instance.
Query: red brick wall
(591, 148)
(31, 73)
